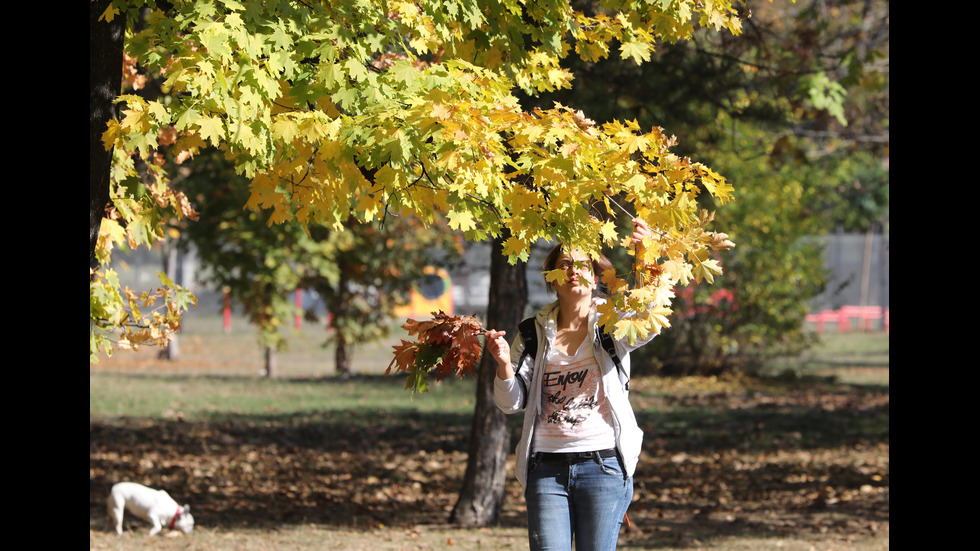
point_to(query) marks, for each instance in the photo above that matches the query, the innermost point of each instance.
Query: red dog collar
(174, 520)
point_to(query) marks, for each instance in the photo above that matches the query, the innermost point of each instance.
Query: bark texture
(105, 81)
(482, 495)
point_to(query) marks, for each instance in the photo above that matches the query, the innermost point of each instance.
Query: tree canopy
(373, 108)
(358, 275)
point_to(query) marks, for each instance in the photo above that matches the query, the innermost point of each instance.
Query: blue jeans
(585, 499)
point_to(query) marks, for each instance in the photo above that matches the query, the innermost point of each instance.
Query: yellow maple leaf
(110, 232)
(137, 119)
(613, 283)
(630, 329)
(677, 270)
(608, 231)
(109, 14)
(492, 58)
(211, 129)
(514, 247)
(111, 134)
(717, 186)
(461, 220)
(707, 269)
(569, 149)
(558, 276)
(662, 293)
(280, 214)
(369, 207)
(441, 112)
(285, 129)
(658, 319)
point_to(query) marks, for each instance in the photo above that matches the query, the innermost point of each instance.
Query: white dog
(155, 506)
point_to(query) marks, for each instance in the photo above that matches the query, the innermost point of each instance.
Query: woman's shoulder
(547, 311)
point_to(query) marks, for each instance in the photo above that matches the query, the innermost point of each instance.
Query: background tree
(757, 309)
(796, 111)
(361, 273)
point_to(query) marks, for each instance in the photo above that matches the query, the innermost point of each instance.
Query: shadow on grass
(761, 463)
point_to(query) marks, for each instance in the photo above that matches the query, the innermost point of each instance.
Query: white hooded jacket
(524, 389)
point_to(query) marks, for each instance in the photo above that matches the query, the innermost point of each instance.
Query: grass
(850, 358)
(309, 460)
(207, 397)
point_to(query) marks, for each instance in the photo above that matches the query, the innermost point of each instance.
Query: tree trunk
(171, 267)
(105, 81)
(482, 496)
(270, 362)
(342, 361)
(342, 357)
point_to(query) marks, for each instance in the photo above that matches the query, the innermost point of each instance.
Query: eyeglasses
(566, 264)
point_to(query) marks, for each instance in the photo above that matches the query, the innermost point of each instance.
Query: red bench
(822, 317)
(842, 317)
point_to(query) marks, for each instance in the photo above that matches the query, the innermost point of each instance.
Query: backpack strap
(529, 336)
(607, 343)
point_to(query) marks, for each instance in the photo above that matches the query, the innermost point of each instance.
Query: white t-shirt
(575, 415)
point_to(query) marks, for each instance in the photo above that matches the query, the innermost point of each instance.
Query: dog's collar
(173, 521)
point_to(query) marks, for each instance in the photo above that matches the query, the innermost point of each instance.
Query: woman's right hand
(500, 350)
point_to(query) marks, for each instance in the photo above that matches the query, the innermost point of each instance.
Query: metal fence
(858, 264)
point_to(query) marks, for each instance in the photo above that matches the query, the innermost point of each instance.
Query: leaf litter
(720, 459)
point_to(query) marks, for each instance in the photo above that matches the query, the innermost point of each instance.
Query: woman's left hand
(640, 231)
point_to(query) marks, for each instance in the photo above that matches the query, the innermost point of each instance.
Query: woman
(580, 441)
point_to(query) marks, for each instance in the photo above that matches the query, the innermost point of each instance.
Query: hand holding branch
(640, 232)
(500, 350)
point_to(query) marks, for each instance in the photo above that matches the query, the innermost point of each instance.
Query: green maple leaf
(280, 39)
(404, 72)
(346, 98)
(159, 112)
(330, 74)
(356, 70)
(639, 51)
(143, 143)
(187, 118)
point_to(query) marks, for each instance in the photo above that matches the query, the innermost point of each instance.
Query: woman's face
(581, 280)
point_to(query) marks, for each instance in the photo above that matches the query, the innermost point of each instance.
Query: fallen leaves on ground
(727, 458)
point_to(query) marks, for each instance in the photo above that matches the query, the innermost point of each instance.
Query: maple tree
(371, 109)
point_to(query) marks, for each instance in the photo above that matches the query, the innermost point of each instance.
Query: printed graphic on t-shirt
(573, 408)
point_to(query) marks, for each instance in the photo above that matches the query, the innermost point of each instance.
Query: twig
(620, 206)
(662, 234)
